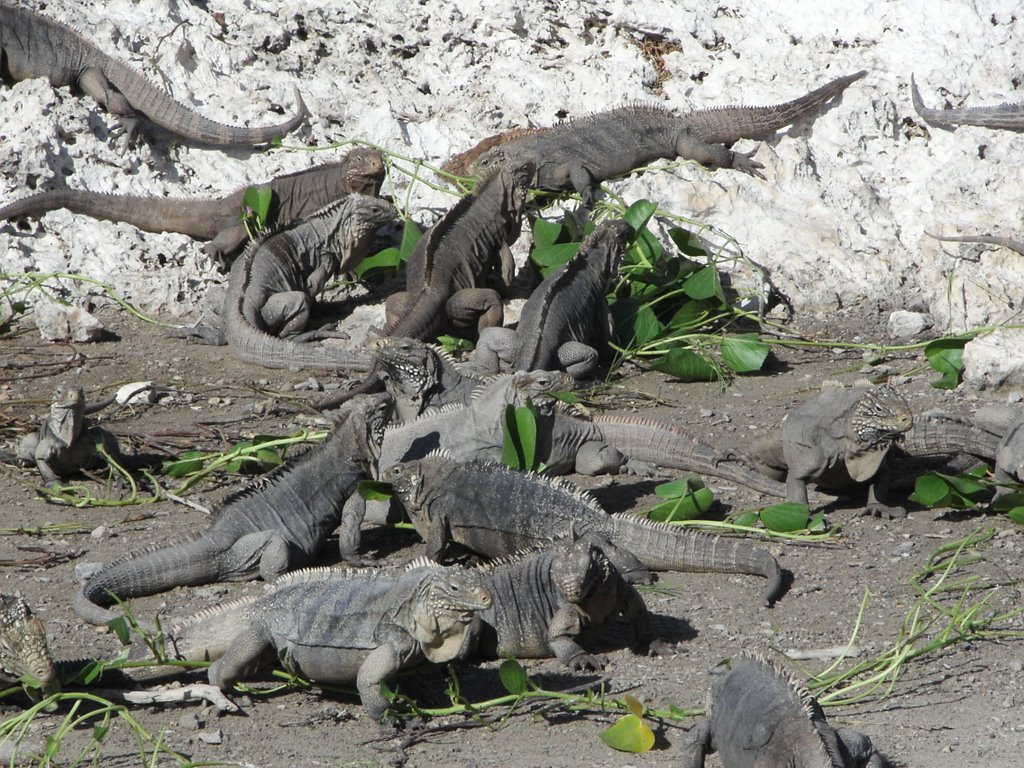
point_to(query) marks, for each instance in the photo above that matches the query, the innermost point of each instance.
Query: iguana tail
(725, 125)
(662, 547)
(664, 445)
(948, 436)
(253, 345)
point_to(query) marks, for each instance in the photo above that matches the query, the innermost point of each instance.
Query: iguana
(542, 600)
(758, 716)
(838, 437)
(581, 153)
(1007, 116)
(340, 626)
(564, 313)
(23, 646)
(275, 524)
(1006, 424)
(67, 443)
(219, 220)
(495, 511)
(34, 45)
(273, 284)
(1005, 242)
(446, 271)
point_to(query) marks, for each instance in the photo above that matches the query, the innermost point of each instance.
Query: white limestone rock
(995, 360)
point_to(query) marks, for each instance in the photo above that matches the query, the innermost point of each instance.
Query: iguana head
(353, 222)
(372, 414)
(67, 412)
(579, 568)
(406, 481)
(615, 235)
(445, 611)
(364, 171)
(409, 367)
(535, 384)
(877, 420)
(23, 648)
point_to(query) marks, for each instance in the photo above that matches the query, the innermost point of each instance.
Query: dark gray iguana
(495, 511)
(1007, 116)
(34, 45)
(446, 272)
(839, 437)
(760, 717)
(340, 626)
(219, 220)
(543, 600)
(273, 284)
(23, 646)
(580, 153)
(564, 313)
(275, 524)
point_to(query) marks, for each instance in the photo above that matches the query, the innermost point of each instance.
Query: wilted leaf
(633, 704)
(629, 734)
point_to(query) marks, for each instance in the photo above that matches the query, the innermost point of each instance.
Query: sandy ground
(952, 706)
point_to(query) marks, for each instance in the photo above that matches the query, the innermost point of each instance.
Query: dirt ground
(953, 706)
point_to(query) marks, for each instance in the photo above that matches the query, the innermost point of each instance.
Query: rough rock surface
(839, 221)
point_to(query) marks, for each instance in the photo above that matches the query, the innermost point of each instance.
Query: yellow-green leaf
(629, 734)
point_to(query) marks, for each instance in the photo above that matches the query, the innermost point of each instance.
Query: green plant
(256, 203)
(685, 499)
(785, 517)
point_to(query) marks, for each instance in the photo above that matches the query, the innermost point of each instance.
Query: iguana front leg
(496, 349)
(563, 628)
(596, 457)
(697, 745)
(243, 656)
(878, 496)
(381, 663)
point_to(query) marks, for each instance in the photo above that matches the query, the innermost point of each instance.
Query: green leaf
(453, 344)
(930, 490)
(817, 522)
(1017, 515)
(704, 284)
(411, 235)
(688, 243)
(947, 357)
(519, 438)
(635, 323)
(690, 315)
(686, 365)
(747, 519)
(646, 249)
(629, 734)
(639, 213)
(91, 671)
(99, 732)
(256, 205)
(119, 627)
(1008, 501)
(188, 463)
(374, 490)
(688, 499)
(554, 255)
(388, 259)
(744, 354)
(566, 397)
(52, 747)
(785, 517)
(546, 232)
(513, 677)
(633, 704)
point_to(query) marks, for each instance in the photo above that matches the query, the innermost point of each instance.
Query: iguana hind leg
(475, 306)
(286, 314)
(578, 359)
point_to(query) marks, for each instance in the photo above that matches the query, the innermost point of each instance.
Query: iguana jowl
(340, 626)
(760, 717)
(277, 523)
(578, 154)
(272, 286)
(564, 313)
(496, 511)
(219, 220)
(34, 45)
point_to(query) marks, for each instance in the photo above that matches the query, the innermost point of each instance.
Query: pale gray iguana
(1007, 116)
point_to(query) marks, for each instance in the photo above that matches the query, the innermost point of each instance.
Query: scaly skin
(1009, 117)
(759, 716)
(1005, 242)
(219, 219)
(496, 511)
(33, 45)
(340, 626)
(23, 647)
(278, 523)
(581, 153)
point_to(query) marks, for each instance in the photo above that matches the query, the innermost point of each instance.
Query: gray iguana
(340, 626)
(275, 524)
(23, 646)
(273, 284)
(564, 313)
(495, 511)
(219, 220)
(543, 600)
(1007, 116)
(1006, 424)
(34, 45)
(580, 153)
(836, 438)
(1005, 242)
(758, 716)
(66, 442)
(446, 271)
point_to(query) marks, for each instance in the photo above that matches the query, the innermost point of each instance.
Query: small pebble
(100, 533)
(212, 737)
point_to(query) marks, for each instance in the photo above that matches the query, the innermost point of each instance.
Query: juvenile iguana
(219, 220)
(66, 442)
(446, 271)
(837, 438)
(1007, 116)
(543, 600)
(496, 511)
(273, 284)
(759, 716)
(275, 524)
(1005, 242)
(564, 313)
(340, 626)
(23, 646)
(34, 45)
(581, 153)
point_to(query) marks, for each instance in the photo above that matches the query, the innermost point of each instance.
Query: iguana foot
(744, 162)
(883, 511)
(588, 663)
(642, 469)
(656, 648)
